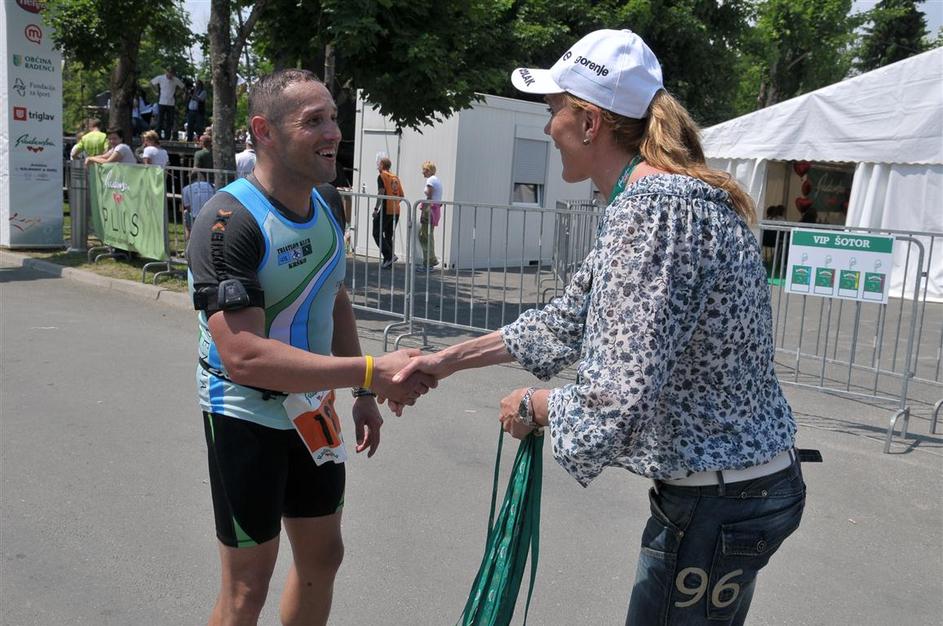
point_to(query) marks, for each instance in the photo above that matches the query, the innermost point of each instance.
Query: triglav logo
(20, 114)
(33, 144)
(32, 62)
(33, 33)
(33, 6)
(20, 88)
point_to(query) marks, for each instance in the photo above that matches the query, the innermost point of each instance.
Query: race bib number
(317, 424)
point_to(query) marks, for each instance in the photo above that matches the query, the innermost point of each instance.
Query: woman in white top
(153, 154)
(118, 153)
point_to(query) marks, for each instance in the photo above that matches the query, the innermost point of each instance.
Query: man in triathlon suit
(277, 335)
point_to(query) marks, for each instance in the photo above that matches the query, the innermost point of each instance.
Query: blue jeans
(703, 546)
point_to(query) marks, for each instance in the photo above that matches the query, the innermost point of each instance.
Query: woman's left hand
(510, 418)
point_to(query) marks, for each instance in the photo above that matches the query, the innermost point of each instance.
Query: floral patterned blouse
(669, 318)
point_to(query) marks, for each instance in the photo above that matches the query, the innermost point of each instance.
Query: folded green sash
(515, 533)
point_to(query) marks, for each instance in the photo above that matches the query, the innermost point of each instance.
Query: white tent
(888, 123)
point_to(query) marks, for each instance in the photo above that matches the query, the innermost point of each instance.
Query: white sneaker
(388, 263)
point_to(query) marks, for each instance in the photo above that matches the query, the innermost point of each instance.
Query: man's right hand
(407, 389)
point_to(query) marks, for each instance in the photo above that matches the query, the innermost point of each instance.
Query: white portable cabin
(881, 131)
(493, 153)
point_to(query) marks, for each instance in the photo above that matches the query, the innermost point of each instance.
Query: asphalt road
(105, 513)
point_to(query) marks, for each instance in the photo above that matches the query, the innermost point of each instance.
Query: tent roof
(893, 114)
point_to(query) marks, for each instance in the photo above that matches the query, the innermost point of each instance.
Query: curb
(166, 297)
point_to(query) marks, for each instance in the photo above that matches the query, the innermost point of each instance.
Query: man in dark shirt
(203, 158)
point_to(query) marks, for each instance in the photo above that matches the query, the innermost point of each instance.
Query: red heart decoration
(117, 197)
(803, 204)
(806, 187)
(801, 167)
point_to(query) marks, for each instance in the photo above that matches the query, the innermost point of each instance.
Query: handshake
(399, 378)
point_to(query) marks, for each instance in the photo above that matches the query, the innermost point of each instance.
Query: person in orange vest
(384, 223)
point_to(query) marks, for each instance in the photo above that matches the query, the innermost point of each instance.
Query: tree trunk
(124, 83)
(224, 85)
(329, 67)
(224, 59)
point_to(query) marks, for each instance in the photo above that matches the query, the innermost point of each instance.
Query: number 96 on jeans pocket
(316, 422)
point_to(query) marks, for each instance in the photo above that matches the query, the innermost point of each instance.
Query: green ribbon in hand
(515, 533)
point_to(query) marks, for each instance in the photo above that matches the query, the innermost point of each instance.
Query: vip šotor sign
(30, 129)
(128, 208)
(843, 265)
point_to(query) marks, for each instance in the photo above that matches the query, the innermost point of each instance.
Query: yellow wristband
(368, 374)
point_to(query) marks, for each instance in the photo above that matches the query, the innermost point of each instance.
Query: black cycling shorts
(259, 475)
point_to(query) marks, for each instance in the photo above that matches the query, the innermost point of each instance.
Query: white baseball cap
(613, 69)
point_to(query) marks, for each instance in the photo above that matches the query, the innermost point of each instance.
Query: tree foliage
(896, 29)
(798, 46)
(418, 61)
(106, 35)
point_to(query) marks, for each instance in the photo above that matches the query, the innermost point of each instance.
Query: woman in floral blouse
(668, 321)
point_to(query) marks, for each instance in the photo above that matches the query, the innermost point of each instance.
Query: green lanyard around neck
(624, 178)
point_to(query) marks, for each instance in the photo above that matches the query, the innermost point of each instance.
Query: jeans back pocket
(743, 549)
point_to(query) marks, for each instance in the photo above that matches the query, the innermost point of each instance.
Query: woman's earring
(586, 141)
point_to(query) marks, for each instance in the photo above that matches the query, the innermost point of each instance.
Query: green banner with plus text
(128, 208)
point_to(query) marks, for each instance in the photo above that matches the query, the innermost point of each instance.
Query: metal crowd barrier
(372, 287)
(496, 261)
(862, 349)
(577, 227)
(177, 180)
(180, 179)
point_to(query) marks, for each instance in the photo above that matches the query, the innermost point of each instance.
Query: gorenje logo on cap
(601, 70)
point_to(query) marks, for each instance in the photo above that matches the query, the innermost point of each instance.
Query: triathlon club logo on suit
(294, 253)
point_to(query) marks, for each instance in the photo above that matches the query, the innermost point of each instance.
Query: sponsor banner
(843, 265)
(128, 208)
(30, 129)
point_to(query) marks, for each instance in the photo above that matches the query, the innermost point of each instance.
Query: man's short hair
(116, 131)
(265, 95)
(206, 141)
(94, 123)
(429, 165)
(385, 163)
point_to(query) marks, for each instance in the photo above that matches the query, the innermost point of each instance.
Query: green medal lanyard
(624, 177)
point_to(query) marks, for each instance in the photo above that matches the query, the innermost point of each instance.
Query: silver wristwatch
(525, 410)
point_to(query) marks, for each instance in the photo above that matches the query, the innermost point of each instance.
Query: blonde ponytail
(668, 139)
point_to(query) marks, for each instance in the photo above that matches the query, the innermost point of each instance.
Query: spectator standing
(153, 154)
(245, 160)
(92, 143)
(203, 158)
(429, 214)
(167, 85)
(139, 108)
(118, 153)
(195, 195)
(384, 222)
(196, 109)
